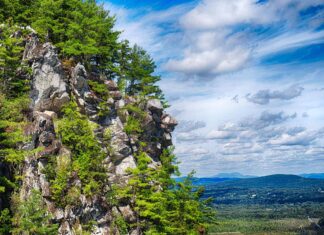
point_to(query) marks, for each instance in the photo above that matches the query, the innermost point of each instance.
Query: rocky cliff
(55, 84)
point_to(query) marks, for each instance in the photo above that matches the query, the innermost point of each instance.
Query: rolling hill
(274, 181)
(235, 175)
(313, 175)
(272, 189)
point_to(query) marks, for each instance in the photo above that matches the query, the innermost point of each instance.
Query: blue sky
(244, 78)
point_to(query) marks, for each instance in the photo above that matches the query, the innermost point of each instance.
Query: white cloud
(211, 14)
(288, 41)
(207, 62)
(217, 134)
(187, 126)
(144, 28)
(264, 96)
(217, 51)
(302, 138)
(213, 45)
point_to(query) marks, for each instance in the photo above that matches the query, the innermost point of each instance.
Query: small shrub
(32, 217)
(5, 221)
(100, 89)
(132, 126)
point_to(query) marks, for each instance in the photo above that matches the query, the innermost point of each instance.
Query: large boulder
(154, 105)
(124, 165)
(168, 123)
(79, 82)
(43, 134)
(119, 141)
(49, 90)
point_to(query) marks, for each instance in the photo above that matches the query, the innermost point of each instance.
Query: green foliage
(161, 205)
(107, 135)
(77, 134)
(135, 72)
(135, 110)
(134, 121)
(32, 217)
(88, 227)
(132, 126)
(104, 109)
(190, 211)
(13, 74)
(59, 183)
(80, 29)
(83, 30)
(5, 221)
(120, 224)
(100, 89)
(12, 137)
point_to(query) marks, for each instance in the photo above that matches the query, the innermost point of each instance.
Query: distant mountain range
(233, 175)
(241, 176)
(222, 177)
(271, 189)
(274, 181)
(313, 175)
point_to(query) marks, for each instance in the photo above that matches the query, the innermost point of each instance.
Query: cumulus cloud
(188, 136)
(302, 138)
(263, 97)
(213, 39)
(134, 23)
(267, 119)
(187, 126)
(191, 151)
(213, 45)
(241, 148)
(218, 60)
(211, 14)
(219, 134)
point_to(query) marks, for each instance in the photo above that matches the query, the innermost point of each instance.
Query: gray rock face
(168, 123)
(124, 165)
(43, 135)
(86, 99)
(49, 90)
(79, 82)
(49, 93)
(119, 141)
(111, 85)
(127, 213)
(155, 105)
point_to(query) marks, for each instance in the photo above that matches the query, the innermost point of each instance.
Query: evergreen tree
(76, 133)
(5, 222)
(122, 69)
(32, 217)
(161, 205)
(13, 74)
(141, 80)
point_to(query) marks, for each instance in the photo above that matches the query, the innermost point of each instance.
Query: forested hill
(267, 190)
(274, 181)
(85, 143)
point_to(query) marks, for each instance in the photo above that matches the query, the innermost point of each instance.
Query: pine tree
(161, 205)
(76, 133)
(32, 217)
(141, 80)
(13, 74)
(122, 69)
